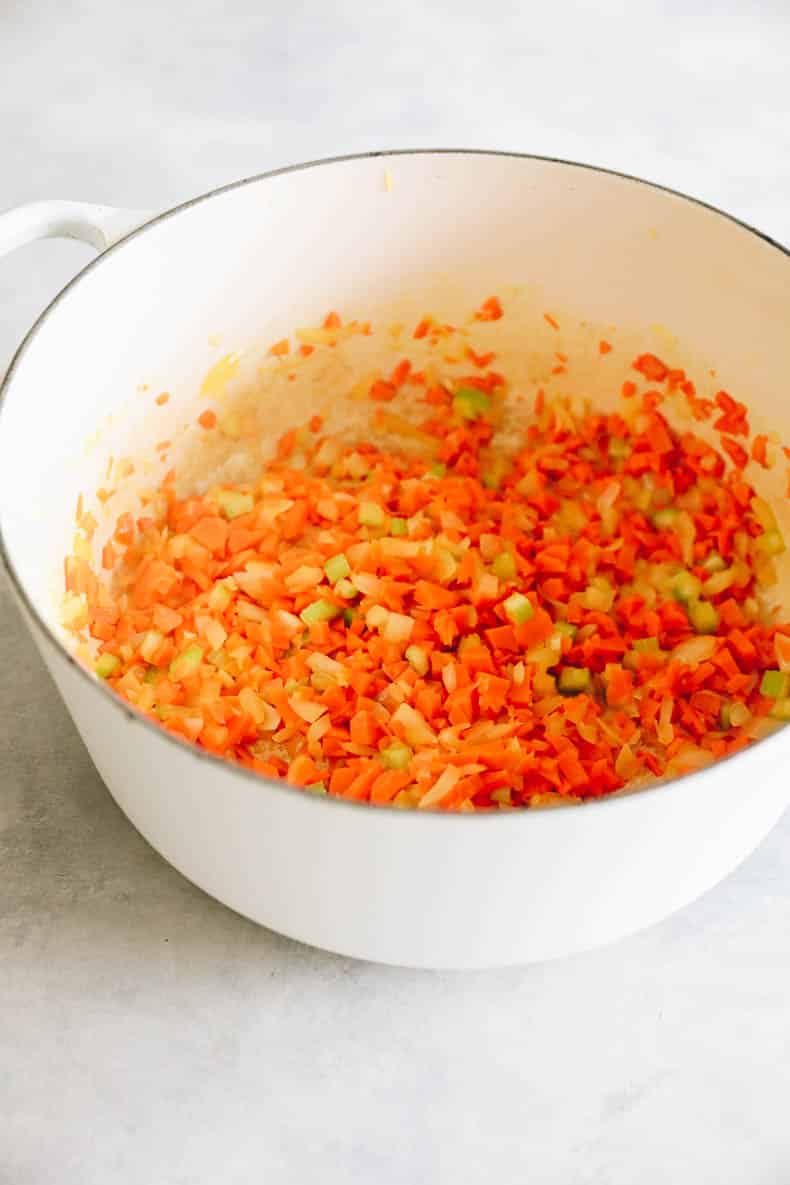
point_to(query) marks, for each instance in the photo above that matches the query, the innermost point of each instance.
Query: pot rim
(628, 800)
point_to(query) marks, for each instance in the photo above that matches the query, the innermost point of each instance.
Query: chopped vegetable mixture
(459, 628)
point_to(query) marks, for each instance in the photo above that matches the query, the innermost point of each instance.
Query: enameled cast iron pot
(402, 887)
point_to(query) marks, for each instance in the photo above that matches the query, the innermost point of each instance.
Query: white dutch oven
(427, 890)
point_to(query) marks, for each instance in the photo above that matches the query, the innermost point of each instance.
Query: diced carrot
(651, 367)
(212, 532)
(433, 596)
(490, 310)
(735, 452)
(388, 784)
(303, 771)
(382, 392)
(400, 373)
(363, 729)
(619, 688)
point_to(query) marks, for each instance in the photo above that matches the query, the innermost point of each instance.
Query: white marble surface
(146, 1033)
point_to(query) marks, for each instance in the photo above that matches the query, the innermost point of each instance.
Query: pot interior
(190, 306)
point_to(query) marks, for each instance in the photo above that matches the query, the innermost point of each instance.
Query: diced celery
(733, 715)
(686, 587)
(739, 715)
(399, 526)
(518, 608)
(396, 755)
(316, 788)
(713, 562)
(573, 680)
(106, 665)
(349, 616)
(619, 449)
(494, 472)
(152, 675)
(337, 568)
(703, 617)
(774, 684)
(346, 589)
(665, 519)
(781, 709)
(770, 543)
(233, 504)
(471, 404)
(565, 627)
(371, 515)
(186, 663)
(319, 611)
(504, 566)
(417, 659)
(437, 468)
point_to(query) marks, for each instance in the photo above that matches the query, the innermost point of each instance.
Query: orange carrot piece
(490, 310)
(388, 784)
(303, 771)
(212, 532)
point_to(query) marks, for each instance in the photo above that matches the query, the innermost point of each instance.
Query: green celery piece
(471, 404)
(774, 684)
(703, 616)
(337, 568)
(665, 519)
(396, 756)
(686, 587)
(106, 665)
(319, 611)
(518, 608)
(573, 680)
(504, 566)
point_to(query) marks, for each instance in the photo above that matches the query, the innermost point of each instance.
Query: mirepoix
(449, 625)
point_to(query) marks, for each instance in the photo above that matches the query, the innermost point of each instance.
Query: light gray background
(147, 1034)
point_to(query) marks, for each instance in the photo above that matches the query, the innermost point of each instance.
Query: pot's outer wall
(393, 886)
